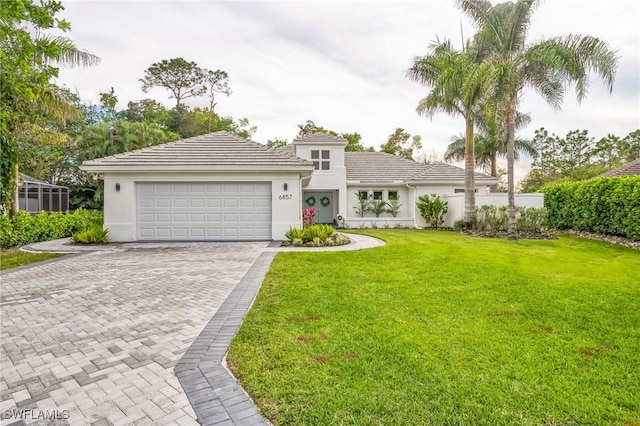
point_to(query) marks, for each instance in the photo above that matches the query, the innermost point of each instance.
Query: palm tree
(546, 66)
(458, 83)
(490, 143)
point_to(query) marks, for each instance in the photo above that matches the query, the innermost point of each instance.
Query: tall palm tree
(546, 66)
(458, 83)
(490, 143)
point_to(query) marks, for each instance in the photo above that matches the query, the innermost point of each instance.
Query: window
(393, 195)
(377, 195)
(321, 159)
(363, 195)
(461, 190)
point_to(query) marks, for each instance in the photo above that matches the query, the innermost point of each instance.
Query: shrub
(394, 207)
(378, 207)
(95, 235)
(308, 216)
(602, 205)
(318, 235)
(364, 205)
(491, 218)
(432, 209)
(294, 233)
(25, 229)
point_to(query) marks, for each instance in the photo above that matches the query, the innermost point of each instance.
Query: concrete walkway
(94, 338)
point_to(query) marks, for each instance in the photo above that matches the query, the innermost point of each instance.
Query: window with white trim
(321, 159)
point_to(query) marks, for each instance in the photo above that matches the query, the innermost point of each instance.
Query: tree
(354, 140)
(216, 82)
(546, 66)
(276, 143)
(398, 144)
(458, 83)
(29, 58)
(489, 144)
(183, 79)
(147, 110)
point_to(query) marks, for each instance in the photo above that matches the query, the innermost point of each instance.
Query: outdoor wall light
(117, 187)
(286, 186)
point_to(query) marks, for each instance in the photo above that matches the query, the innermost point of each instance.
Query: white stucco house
(220, 187)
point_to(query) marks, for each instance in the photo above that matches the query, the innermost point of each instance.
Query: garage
(201, 211)
(213, 187)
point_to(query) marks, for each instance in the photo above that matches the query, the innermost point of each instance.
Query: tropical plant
(394, 207)
(458, 83)
(378, 207)
(546, 66)
(29, 58)
(364, 205)
(95, 235)
(294, 233)
(432, 209)
(490, 144)
(308, 216)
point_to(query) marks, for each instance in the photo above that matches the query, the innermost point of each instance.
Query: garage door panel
(196, 217)
(162, 217)
(180, 203)
(196, 202)
(204, 211)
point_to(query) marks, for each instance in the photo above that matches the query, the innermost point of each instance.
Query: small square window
(325, 165)
(325, 155)
(363, 195)
(315, 155)
(377, 195)
(316, 165)
(393, 195)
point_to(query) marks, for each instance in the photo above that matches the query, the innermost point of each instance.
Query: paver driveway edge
(214, 393)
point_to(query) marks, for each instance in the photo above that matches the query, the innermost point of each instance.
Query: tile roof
(320, 138)
(220, 150)
(630, 169)
(378, 167)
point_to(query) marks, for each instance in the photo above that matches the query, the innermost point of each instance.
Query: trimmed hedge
(25, 229)
(602, 205)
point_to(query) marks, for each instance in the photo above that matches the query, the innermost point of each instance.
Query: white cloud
(338, 63)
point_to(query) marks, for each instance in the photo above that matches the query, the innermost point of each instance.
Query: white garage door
(215, 211)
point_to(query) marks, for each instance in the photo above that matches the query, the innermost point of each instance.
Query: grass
(13, 258)
(442, 328)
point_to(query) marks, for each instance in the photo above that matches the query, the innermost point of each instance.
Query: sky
(338, 63)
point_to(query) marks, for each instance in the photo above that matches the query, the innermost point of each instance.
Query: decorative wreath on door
(311, 201)
(324, 201)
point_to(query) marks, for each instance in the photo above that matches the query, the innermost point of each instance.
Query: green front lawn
(13, 258)
(442, 328)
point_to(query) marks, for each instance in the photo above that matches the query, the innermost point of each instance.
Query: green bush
(602, 205)
(95, 235)
(315, 236)
(26, 229)
(432, 209)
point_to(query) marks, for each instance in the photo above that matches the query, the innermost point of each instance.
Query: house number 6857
(285, 197)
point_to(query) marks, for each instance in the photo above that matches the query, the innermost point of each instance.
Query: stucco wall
(328, 180)
(120, 206)
(456, 203)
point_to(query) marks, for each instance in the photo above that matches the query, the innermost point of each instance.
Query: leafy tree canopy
(29, 58)
(182, 78)
(402, 144)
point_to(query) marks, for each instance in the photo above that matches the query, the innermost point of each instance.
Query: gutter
(415, 203)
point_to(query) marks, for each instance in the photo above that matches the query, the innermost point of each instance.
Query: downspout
(415, 203)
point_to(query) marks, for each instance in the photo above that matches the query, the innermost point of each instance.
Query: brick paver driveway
(98, 334)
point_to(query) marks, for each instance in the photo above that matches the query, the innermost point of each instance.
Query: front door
(322, 202)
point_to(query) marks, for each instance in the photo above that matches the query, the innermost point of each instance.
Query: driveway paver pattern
(98, 334)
